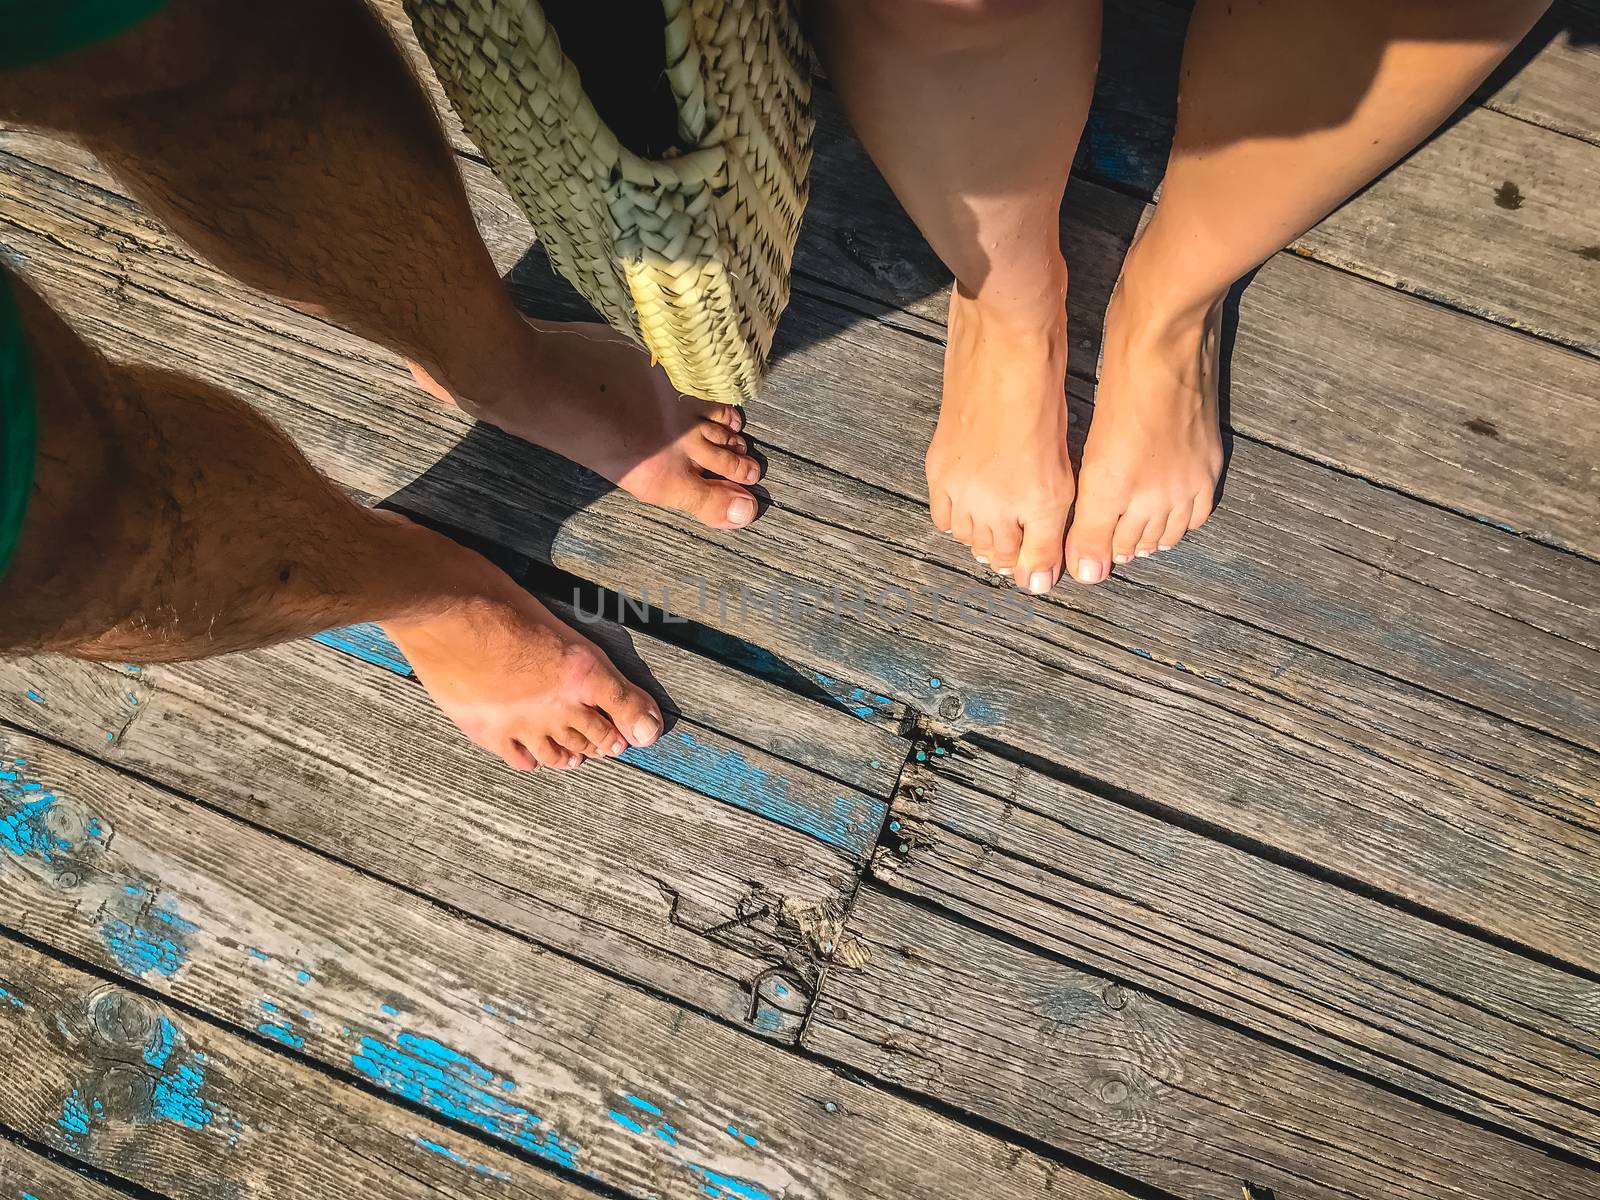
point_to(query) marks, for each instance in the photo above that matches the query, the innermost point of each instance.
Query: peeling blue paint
(34, 696)
(743, 1137)
(157, 1053)
(368, 643)
(725, 1187)
(447, 1082)
(158, 943)
(980, 710)
(7, 998)
(177, 1096)
(462, 1160)
(643, 1105)
(625, 1121)
(769, 1020)
(282, 1033)
(74, 1120)
(389, 1010)
(1142, 653)
(302, 977)
(25, 830)
(842, 821)
(667, 1134)
(257, 954)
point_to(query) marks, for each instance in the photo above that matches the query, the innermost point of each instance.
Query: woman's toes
(1130, 529)
(1177, 525)
(982, 543)
(939, 510)
(1007, 546)
(1039, 557)
(1089, 543)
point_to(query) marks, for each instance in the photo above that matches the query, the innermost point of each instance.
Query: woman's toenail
(1039, 582)
(1088, 571)
(1122, 558)
(1006, 571)
(1164, 547)
(1141, 554)
(981, 559)
(742, 511)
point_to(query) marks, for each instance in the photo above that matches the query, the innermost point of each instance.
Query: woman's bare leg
(1286, 108)
(972, 109)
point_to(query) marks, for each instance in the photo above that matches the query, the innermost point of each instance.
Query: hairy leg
(1287, 107)
(169, 521)
(289, 144)
(973, 109)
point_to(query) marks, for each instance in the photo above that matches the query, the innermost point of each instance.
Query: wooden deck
(1276, 860)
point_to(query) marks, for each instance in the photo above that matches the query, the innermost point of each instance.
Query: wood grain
(1423, 1009)
(360, 976)
(620, 867)
(1112, 1073)
(41, 1178)
(186, 1109)
(1376, 779)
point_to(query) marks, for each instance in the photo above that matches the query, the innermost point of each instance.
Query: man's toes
(723, 460)
(516, 756)
(574, 742)
(547, 752)
(716, 502)
(1089, 542)
(632, 711)
(1039, 556)
(730, 415)
(600, 732)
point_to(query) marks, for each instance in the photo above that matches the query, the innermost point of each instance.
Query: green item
(35, 31)
(19, 427)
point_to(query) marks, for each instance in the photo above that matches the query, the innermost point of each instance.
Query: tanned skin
(289, 144)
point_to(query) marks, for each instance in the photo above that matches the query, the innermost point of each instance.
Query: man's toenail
(1039, 582)
(742, 511)
(1088, 571)
(645, 730)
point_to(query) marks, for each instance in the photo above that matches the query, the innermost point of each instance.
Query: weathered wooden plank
(1427, 1010)
(182, 1107)
(359, 976)
(1554, 76)
(1139, 1085)
(619, 866)
(1395, 786)
(29, 1176)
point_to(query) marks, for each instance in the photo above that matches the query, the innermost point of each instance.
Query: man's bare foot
(591, 395)
(1154, 451)
(999, 479)
(519, 682)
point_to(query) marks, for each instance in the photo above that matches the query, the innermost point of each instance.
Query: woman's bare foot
(1154, 451)
(518, 681)
(999, 479)
(591, 395)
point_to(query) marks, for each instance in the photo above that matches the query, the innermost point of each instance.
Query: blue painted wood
(842, 817)
(368, 643)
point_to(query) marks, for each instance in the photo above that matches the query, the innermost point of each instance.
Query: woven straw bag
(688, 254)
